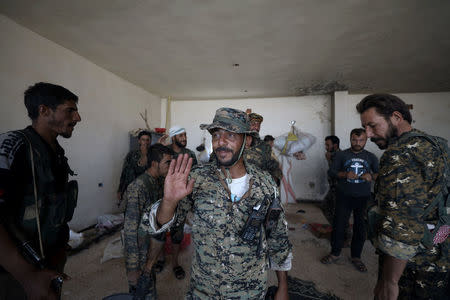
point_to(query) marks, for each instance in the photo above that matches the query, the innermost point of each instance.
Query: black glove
(146, 285)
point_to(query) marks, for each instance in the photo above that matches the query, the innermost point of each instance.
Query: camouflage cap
(256, 117)
(230, 119)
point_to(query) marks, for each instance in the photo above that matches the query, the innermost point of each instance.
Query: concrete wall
(109, 107)
(430, 113)
(312, 114)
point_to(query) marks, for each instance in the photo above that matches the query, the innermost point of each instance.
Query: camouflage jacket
(141, 193)
(224, 266)
(410, 175)
(191, 154)
(331, 180)
(131, 170)
(260, 154)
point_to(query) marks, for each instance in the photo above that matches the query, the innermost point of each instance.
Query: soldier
(411, 177)
(329, 203)
(179, 142)
(35, 195)
(269, 140)
(331, 147)
(135, 163)
(354, 169)
(141, 250)
(239, 229)
(260, 153)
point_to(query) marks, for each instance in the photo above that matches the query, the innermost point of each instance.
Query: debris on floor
(114, 249)
(300, 289)
(106, 226)
(75, 239)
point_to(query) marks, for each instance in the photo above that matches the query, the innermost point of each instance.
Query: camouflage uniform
(411, 170)
(188, 151)
(260, 154)
(131, 170)
(224, 266)
(141, 193)
(329, 203)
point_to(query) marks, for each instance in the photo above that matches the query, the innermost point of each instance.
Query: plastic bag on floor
(75, 239)
(114, 249)
(109, 221)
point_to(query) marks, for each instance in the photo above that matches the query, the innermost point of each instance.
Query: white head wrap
(173, 131)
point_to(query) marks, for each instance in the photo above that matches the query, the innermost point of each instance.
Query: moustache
(223, 149)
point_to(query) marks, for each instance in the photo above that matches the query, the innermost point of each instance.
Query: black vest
(55, 196)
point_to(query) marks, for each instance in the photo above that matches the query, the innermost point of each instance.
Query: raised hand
(176, 186)
(299, 155)
(163, 140)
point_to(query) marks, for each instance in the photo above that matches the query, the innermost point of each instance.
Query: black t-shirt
(359, 163)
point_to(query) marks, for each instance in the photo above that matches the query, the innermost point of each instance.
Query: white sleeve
(149, 221)
(286, 266)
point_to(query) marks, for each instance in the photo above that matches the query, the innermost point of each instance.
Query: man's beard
(357, 148)
(229, 163)
(60, 124)
(179, 144)
(391, 132)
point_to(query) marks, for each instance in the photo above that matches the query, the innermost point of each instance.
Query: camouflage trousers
(418, 284)
(147, 287)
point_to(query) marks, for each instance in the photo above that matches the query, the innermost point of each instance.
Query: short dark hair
(268, 138)
(385, 105)
(334, 139)
(144, 132)
(50, 95)
(156, 153)
(357, 132)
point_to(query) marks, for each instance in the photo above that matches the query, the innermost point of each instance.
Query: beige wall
(312, 114)
(430, 113)
(109, 108)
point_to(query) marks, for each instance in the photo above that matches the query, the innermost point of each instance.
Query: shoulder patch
(10, 142)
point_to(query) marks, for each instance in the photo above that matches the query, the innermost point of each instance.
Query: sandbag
(294, 141)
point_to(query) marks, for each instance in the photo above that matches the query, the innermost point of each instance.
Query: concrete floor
(93, 280)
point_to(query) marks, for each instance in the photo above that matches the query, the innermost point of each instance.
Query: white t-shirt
(238, 187)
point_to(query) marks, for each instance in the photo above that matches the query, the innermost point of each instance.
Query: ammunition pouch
(272, 216)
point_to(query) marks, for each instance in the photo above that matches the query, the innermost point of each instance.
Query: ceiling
(188, 49)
